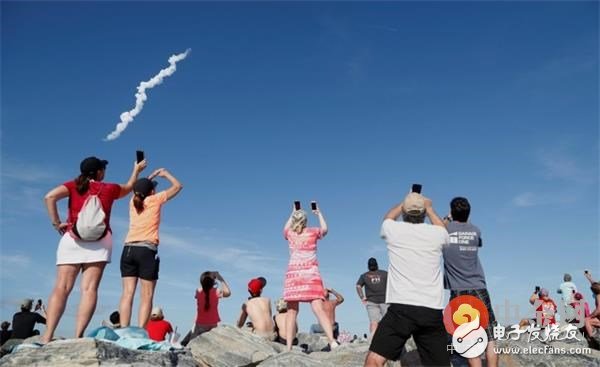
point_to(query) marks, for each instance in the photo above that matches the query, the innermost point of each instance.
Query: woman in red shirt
(75, 255)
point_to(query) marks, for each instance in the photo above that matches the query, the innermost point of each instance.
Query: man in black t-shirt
(24, 321)
(374, 282)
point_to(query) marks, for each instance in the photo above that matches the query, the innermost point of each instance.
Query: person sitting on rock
(24, 321)
(114, 321)
(4, 333)
(329, 306)
(157, 326)
(207, 302)
(545, 309)
(581, 307)
(593, 320)
(279, 320)
(258, 308)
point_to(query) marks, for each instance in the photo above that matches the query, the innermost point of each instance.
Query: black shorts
(424, 324)
(484, 296)
(140, 262)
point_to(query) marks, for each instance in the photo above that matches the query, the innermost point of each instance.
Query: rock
(228, 346)
(314, 342)
(91, 352)
(349, 354)
(296, 359)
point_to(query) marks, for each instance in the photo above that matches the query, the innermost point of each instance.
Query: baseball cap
(144, 186)
(578, 296)
(157, 312)
(414, 204)
(92, 164)
(255, 286)
(27, 303)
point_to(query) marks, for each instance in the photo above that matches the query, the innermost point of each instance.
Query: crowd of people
(424, 258)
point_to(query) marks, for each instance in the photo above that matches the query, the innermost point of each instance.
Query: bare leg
(90, 280)
(147, 291)
(65, 279)
(290, 323)
(326, 323)
(374, 360)
(129, 285)
(373, 327)
(490, 354)
(474, 362)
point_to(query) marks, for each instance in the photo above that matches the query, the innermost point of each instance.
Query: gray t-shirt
(375, 284)
(462, 269)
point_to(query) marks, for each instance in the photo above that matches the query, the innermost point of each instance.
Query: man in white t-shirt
(414, 285)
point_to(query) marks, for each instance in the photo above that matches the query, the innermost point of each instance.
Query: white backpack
(90, 225)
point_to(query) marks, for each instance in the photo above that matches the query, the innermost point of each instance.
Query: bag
(90, 223)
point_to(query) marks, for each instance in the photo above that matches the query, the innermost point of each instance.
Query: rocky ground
(228, 346)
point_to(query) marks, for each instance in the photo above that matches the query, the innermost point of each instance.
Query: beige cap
(281, 305)
(157, 312)
(414, 204)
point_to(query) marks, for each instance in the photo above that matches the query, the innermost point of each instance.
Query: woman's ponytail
(138, 203)
(82, 184)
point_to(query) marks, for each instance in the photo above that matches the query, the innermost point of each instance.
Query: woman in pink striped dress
(303, 281)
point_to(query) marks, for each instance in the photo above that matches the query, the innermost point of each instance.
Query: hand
(159, 172)
(364, 301)
(139, 167)
(317, 212)
(61, 228)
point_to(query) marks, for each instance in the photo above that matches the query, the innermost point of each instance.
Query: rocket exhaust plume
(141, 97)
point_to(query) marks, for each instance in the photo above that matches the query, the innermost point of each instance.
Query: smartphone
(537, 289)
(416, 188)
(39, 302)
(586, 271)
(313, 205)
(296, 205)
(139, 155)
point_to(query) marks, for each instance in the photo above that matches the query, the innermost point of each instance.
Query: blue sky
(345, 103)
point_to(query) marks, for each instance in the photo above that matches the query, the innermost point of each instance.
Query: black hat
(144, 186)
(91, 165)
(373, 264)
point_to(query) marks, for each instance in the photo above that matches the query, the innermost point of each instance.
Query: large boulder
(294, 358)
(228, 346)
(313, 342)
(91, 352)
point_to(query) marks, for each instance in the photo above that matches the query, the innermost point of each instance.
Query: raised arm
(534, 297)
(588, 276)
(322, 222)
(338, 297)
(432, 215)
(128, 186)
(288, 224)
(54, 195)
(176, 186)
(225, 291)
(394, 213)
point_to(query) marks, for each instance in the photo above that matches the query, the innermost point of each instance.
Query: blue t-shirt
(462, 268)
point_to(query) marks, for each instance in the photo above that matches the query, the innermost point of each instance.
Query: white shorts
(72, 251)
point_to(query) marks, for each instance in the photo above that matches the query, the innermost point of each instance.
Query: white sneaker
(334, 345)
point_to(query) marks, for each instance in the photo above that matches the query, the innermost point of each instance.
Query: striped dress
(303, 280)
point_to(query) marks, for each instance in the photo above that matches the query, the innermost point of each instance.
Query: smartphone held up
(139, 155)
(297, 205)
(416, 188)
(313, 205)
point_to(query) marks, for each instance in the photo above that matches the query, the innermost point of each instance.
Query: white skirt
(72, 251)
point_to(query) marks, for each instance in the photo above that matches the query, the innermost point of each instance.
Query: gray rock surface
(228, 346)
(296, 359)
(315, 342)
(91, 352)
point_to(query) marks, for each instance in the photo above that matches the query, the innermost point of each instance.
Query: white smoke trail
(140, 96)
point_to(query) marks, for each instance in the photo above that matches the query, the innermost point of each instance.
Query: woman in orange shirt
(139, 259)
